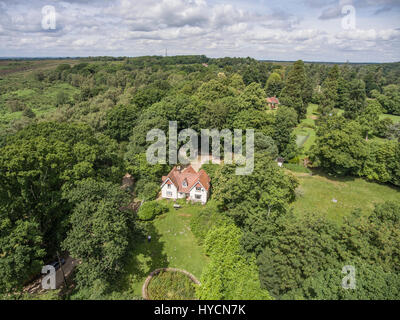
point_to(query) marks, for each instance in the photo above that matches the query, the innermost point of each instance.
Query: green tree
(42, 159)
(274, 85)
(120, 121)
(253, 200)
(329, 92)
(285, 122)
(298, 246)
(357, 96)
(369, 119)
(253, 97)
(99, 234)
(390, 99)
(21, 252)
(372, 283)
(229, 275)
(343, 94)
(339, 147)
(293, 93)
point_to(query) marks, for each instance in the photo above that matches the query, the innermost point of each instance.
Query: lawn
(172, 245)
(395, 119)
(305, 131)
(317, 192)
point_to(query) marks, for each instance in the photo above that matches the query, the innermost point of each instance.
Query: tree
(298, 246)
(253, 97)
(329, 91)
(229, 275)
(293, 93)
(61, 98)
(357, 96)
(252, 200)
(41, 160)
(149, 210)
(28, 113)
(343, 95)
(265, 144)
(339, 147)
(285, 122)
(21, 252)
(369, 119)
(390, 99)
(120, 121)
(274, 85)
(370, 80)
(393, 132)
(100, 231)
(372, 283)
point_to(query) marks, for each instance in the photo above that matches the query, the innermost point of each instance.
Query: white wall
(203, 194)
(173, 189)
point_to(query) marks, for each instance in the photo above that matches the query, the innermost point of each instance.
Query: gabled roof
(190, 175)
(273, 100)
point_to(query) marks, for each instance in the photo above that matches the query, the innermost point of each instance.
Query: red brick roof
(189, 175)
(273, 100)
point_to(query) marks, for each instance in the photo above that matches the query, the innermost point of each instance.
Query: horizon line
(182, 55)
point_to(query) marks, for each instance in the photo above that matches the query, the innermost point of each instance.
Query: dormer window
(184, 183)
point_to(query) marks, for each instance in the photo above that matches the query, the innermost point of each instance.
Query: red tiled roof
(190, 175)
(273, 100)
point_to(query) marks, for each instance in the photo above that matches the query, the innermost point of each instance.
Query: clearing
(172, 245)
(316, 193)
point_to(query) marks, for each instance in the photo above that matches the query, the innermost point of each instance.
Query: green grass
(316, 193)
(172, 245)
(305, 132)
(395, 119)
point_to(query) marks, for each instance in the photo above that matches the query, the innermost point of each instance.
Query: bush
(205, 220)
(147, 190)
(28, 113)
(149, 210)
(295, 160)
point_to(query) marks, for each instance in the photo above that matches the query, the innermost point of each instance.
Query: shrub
(147, 190)
(149, 210)
(28, 113)
(205, 220)
(295, 160)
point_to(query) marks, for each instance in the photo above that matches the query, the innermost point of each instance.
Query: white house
(187, 184)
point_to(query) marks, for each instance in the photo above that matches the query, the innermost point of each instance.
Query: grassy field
(172, 245)
(395, 119)
(317, 192)
(305, 132)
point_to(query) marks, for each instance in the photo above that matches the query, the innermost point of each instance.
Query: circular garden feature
(170, 284)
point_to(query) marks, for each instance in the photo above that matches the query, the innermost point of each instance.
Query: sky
(312, 30)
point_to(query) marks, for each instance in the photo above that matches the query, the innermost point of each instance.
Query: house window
(184, 183)
(198, 188)
(169, 186)
(169, 194)
(198, 196)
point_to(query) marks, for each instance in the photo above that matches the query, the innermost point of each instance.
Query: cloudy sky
(313, 30)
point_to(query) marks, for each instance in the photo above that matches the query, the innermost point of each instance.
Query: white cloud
(122, 27)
